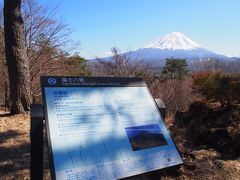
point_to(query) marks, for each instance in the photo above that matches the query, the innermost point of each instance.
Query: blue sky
(130, 24)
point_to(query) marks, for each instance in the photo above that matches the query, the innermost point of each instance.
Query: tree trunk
(16, 57)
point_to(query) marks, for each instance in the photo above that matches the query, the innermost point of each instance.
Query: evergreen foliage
(77, 66)
(175, 68)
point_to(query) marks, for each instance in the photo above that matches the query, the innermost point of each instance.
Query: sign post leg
(161, 107)
(36, 140)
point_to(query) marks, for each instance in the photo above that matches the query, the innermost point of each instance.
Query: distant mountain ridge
(173, 45)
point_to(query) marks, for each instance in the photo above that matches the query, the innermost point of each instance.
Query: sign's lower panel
(106, 132)
(121, 168)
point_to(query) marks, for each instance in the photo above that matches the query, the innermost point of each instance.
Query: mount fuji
(173, 45)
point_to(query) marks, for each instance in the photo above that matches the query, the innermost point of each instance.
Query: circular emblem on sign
(52, 81)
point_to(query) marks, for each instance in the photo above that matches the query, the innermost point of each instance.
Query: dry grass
(14, 147)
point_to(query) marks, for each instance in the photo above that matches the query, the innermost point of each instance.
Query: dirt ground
(198, 163)
(14, 146)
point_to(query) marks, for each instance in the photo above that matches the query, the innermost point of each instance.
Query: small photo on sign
(144, 137)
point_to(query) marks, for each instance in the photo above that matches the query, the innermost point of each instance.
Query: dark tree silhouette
(16, 57)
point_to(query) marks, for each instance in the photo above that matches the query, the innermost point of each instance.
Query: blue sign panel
(109, 132)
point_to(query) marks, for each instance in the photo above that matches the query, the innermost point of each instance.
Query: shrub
(221, 87)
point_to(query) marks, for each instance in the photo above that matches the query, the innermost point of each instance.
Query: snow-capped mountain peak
(174, 41)
(173, 45)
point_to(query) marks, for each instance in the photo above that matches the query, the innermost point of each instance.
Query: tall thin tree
(16, 57)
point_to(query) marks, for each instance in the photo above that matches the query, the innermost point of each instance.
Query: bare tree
(47, 41)
(176, 93)
(4, 84)
(16, 57)
(216, 65)
(119, 65)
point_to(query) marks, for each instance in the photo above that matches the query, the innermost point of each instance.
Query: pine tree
(175, 68)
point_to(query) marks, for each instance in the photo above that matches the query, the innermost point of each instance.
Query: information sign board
(104, 128)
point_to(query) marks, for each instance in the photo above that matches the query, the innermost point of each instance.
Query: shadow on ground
(14, 155)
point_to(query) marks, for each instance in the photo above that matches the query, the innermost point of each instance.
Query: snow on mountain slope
(173, 45)
(173, 41)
